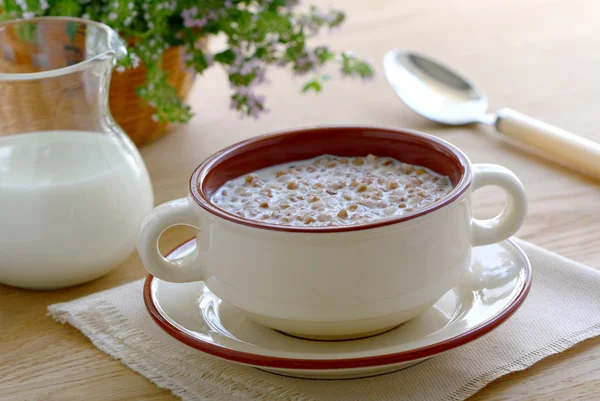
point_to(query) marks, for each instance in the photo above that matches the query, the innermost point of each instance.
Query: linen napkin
(561, 310)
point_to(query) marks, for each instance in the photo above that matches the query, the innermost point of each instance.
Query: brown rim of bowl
(204, 202)
(324, 364)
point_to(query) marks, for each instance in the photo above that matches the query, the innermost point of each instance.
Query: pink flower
(243, 91)
(211, 14)
(190, 22)
(253, 102)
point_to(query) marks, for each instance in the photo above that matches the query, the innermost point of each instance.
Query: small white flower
(120, 69)
(135, 60)
(112, 16)
(85, 16)
(130, 5)
(154, 117)
(24, 8)
(115, 4)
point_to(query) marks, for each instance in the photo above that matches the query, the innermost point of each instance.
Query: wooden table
(539, 57)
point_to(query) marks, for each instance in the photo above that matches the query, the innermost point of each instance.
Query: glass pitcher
(73, 187)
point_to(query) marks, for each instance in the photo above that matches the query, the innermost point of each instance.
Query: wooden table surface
(540, 57)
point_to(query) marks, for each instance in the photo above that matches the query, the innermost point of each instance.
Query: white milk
(71, 204)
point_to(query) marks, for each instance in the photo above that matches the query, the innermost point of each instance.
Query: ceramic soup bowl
(342, 281)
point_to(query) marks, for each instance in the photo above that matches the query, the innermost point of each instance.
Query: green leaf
(313, 85)
(66, 8)
(225, 57)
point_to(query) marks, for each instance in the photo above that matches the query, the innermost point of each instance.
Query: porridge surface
(332, 191)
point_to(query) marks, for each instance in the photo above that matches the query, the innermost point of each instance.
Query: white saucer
(495, 286)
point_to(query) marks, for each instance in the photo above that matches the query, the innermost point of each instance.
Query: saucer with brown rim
(495, 286)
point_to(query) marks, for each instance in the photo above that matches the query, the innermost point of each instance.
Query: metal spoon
(441, 94)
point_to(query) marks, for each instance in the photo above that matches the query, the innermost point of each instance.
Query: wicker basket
(130, 112)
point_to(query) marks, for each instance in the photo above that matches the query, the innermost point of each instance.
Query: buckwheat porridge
(332, 191)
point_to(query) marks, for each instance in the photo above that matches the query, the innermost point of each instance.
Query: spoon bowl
(434, 90)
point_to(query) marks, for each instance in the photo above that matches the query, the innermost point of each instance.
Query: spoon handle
(559, 145)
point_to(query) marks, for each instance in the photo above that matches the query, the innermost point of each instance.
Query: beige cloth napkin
(562, 310)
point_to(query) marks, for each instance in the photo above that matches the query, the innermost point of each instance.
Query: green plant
(258, 33)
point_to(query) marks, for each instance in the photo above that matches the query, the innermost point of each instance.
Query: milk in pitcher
(71, 204)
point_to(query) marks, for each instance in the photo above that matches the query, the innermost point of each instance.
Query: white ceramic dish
(334, 282)
(496, 284)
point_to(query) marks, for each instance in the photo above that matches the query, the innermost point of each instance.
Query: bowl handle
(507, 223)
(191, 267)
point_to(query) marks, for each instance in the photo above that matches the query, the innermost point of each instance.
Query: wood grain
(539, 57)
